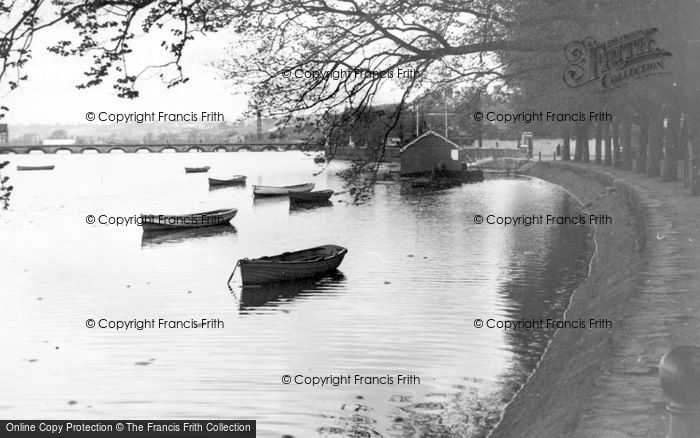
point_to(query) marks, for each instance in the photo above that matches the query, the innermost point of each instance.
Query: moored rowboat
(283, 190)
(317, 196)
(197, 169)
(236, 179)
(35, 167)
(194, 220)
(291, 265)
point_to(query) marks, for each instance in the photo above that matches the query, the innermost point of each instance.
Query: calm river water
(417, 275)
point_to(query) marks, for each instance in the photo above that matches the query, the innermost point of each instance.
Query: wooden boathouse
(432, 151)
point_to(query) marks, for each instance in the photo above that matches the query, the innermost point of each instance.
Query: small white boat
(282, 190)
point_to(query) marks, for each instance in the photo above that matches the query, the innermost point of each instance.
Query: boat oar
(228, 283)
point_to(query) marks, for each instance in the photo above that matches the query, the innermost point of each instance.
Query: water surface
(417, 274)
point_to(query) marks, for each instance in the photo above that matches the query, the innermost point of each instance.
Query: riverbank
(604, 382)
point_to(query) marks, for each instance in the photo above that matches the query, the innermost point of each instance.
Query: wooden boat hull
(282, 191)
(151, 222)
(236, 180)
(197, 169)
(292, 266)
(35, 167)
(317, 196)
(467, 176)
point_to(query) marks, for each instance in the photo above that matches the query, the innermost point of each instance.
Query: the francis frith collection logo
(615, 62)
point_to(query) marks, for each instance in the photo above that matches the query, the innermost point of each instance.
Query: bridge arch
(220, 149)
(194, 149)
(116, 150)
(36, 151)
(269, 148)
(63, 151)
(91, 151)
(168, 150)
(143, 150)
(7, 151)
(245, 148)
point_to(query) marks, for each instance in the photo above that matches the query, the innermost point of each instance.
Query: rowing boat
(309, 197)
(235, 180)
(35, 167)
(193, 220)
(282, 190)
(197, 169)
(291, 265)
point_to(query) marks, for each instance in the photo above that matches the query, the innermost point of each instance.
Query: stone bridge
(154, 148)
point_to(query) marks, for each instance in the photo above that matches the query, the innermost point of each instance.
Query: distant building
(393, 142)
(4, 134)
(236, 138)
(430, 151)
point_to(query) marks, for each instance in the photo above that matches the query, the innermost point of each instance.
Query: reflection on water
(559, 269)
(270, 200)
(418, 272)
(260, 299)
(309, 205)
(157, 237)
(234, 186)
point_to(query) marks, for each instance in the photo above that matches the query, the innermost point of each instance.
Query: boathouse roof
(428, 134)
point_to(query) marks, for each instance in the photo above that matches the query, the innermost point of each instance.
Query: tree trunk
(693, 136)
(643, 143)
(607, 138)
(566, 150)
(626, 140)
(656, 137)
(616, 144)
(683, 152)
(673, 146)
(582, 139)
(578, 151)
(598, 142)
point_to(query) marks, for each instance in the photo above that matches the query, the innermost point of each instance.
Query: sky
(50, 95)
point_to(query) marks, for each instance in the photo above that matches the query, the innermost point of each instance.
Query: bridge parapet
(154, 148)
